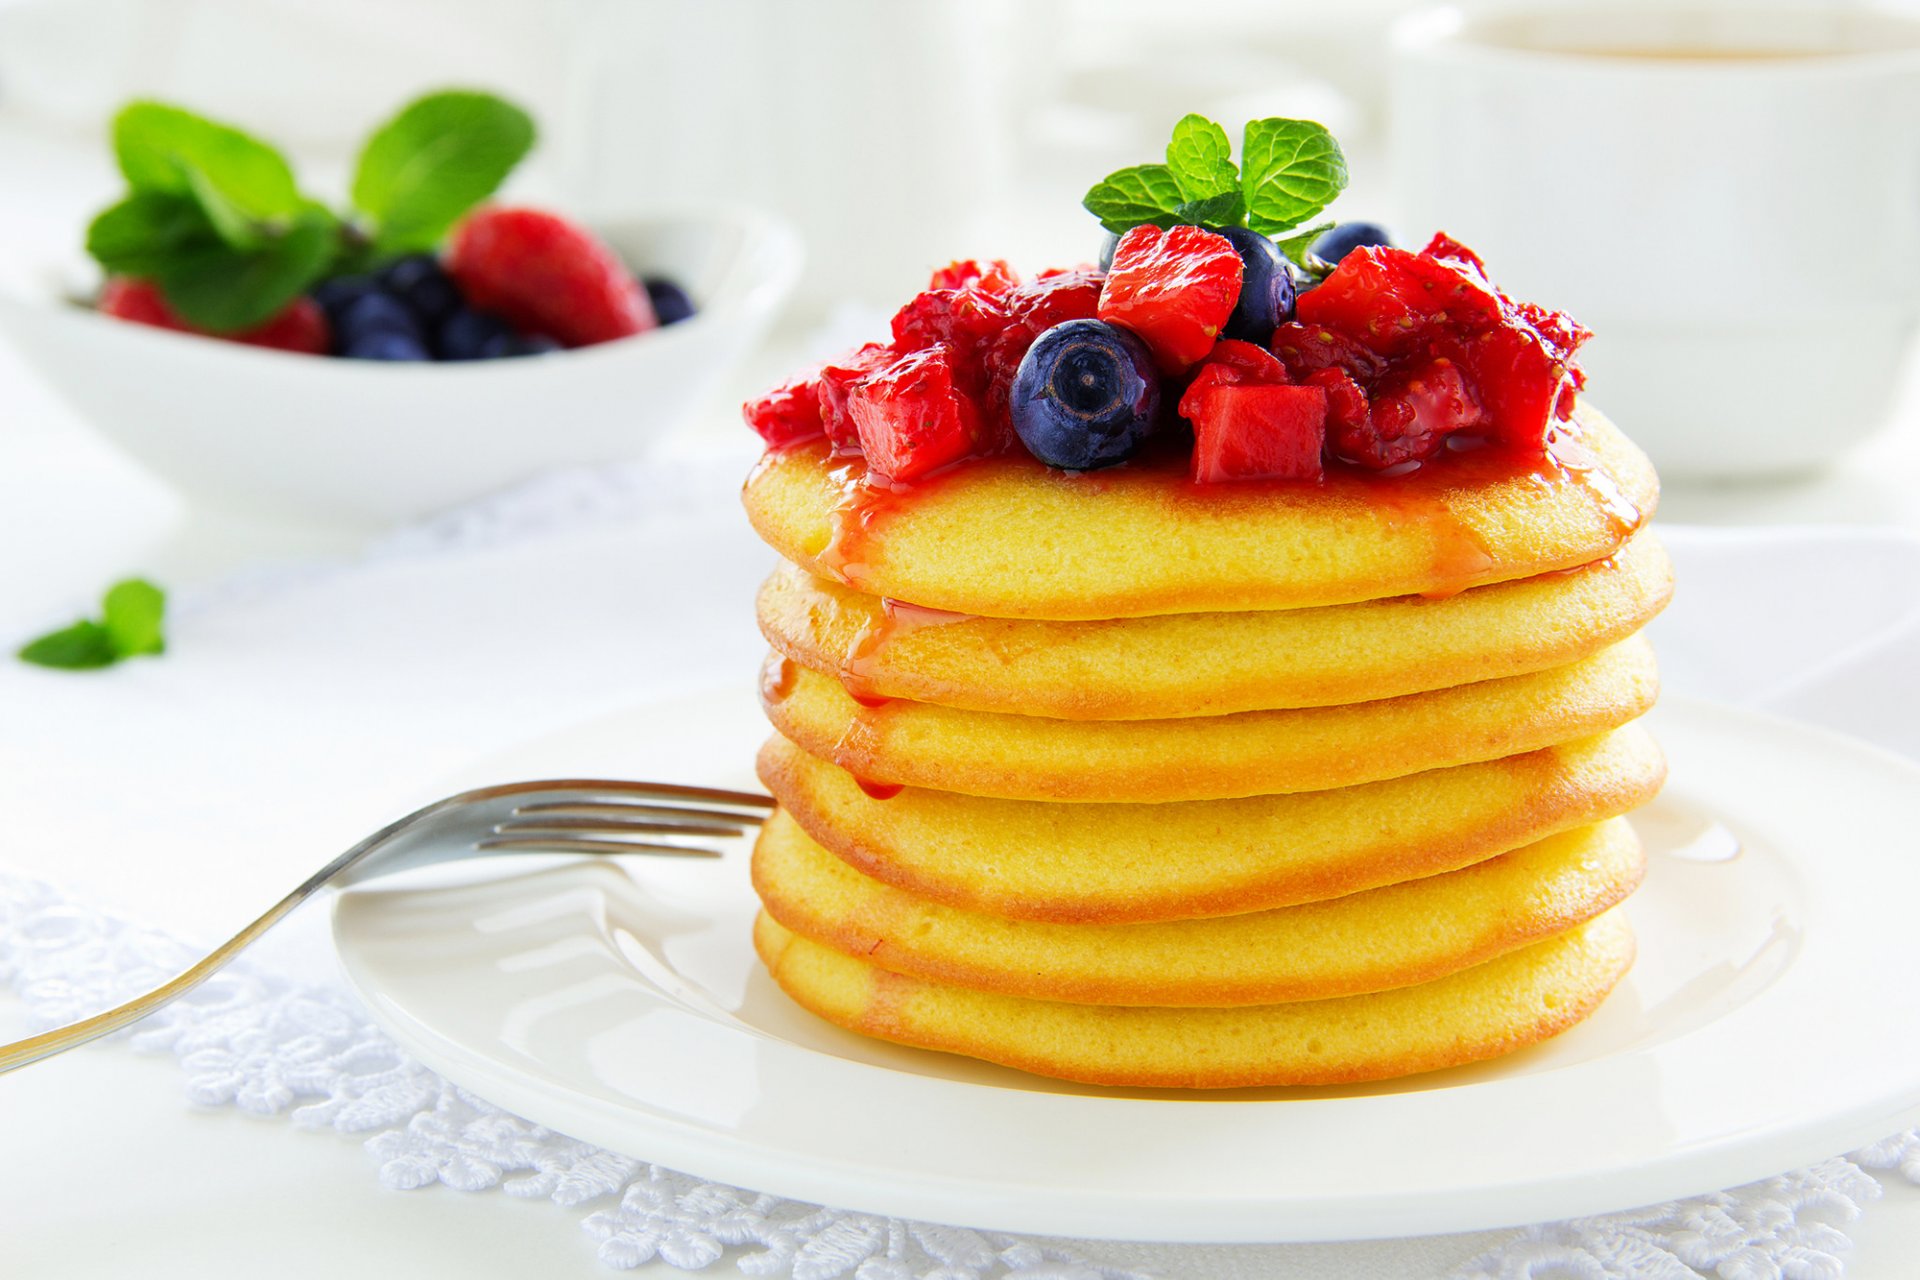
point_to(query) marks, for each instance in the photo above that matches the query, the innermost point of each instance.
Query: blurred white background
(894, 134)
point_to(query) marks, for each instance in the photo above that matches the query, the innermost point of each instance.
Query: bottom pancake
(1389, 937)
(1492, 1009)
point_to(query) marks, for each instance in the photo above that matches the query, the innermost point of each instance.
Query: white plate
(1763, 1027)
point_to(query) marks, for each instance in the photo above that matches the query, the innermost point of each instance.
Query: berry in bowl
(425, 347)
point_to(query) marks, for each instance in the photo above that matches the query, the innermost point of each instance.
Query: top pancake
(1010, 538)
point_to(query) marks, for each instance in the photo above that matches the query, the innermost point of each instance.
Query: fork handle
(60, 1039)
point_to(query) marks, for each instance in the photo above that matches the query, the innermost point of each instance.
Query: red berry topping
(995, 277)
(1414, 409)
(1232, 363)
(1347, 406)
(1258, 431)
(964, 319)
(299, 327)
(546, 275)
(1175, 288)
(787, 414)
(911, 418)
(1032, 309)
(1240, 431)
(837, 381)
(1437, 349)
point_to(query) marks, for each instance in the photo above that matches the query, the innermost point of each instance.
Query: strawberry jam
(1436, 350)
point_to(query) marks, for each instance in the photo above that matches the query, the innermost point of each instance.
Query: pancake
(1188, 664)
(1390, 937)
(1207, 757)
(1122, 863)
(1007, 537)
(1491, 1009)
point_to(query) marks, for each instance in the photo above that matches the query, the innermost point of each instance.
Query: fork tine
(576, 844)
(641, 808)
(617, 826)
(611, 793)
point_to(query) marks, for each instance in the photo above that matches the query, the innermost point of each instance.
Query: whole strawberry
(546, 275)
(300, 327)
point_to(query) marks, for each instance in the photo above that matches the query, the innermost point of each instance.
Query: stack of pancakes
(1125, 780)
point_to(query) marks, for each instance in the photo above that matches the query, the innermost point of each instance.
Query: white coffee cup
(1728, 196)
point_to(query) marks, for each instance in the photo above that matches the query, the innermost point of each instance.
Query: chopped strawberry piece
(301, 326)
(1173, 288)
(1255, 431)
(1445, 246)
(995, 277)
(1413, 411)
(962, 321)
(787, 414)
(546, 275)
(1394, 321)
(837, 381)
(911, 418)
(1391, 300)
(1245, 362)
(1231, 363)
(1346, 402)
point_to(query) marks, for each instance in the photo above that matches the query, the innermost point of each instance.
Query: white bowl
(366, 443)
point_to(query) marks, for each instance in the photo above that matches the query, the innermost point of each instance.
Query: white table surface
(110, 1171)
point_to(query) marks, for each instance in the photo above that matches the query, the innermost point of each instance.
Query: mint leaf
(1129, 197)
(439, 157)
(223, 289)
(1219, 211)
(229, 221)
(1198, 157)
(173, 151)
(84, 646)
(133, 611)
(1295, 246)
(132, 614)
(1290, 170)
(146, 231)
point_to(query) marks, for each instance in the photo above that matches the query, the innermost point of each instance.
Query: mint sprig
(217, 219)
(439, 157)
(131, 623)
(1289, 171)
(1294, 170)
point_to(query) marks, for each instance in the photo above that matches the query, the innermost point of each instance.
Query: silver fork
(566, 816)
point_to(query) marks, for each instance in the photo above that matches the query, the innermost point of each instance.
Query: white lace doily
(253, 1040)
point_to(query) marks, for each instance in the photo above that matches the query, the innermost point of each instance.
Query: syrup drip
(1458, 557)
(878, 790)
(777, 677)
(1577, 462)
(860, 667)
(862, 509)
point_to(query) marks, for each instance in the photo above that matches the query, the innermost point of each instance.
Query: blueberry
(1348, 236)
(1085, 395)
(375, 313)
(1266, 287)
(670, 302)
(386, 346)
(335, 295)
(1108, 244)
(419, 281)
(465, 335)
